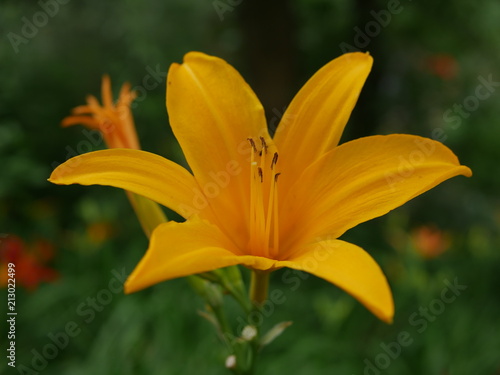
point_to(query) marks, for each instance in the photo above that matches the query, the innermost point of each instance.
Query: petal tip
(389, 320)
(128, 288)
(57, 174)
(65, 122)
(53, 177)
(362, 57)
(384, 313)
(467, 171)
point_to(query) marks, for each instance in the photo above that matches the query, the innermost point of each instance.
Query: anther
(276, 176)
(264, 145)
(252, 143)
(261, 175)
(275, 160)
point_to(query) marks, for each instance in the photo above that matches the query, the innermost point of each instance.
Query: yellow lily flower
(269, 203)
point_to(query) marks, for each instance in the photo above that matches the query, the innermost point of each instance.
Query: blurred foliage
(429, 58)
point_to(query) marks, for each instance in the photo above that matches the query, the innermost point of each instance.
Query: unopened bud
(249, 333)
(231, 362)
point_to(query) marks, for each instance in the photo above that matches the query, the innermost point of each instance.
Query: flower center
(263, 201)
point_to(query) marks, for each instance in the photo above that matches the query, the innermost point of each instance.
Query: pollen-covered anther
(263, 200)
(274, 161)
(252, 143)
(264, 145)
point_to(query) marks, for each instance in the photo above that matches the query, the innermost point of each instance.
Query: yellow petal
(178, 250)
(316, 117)
(351, 269)
(364, 179)
(137, 171)
(212, 112)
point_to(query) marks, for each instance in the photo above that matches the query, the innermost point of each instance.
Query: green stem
(259, 285)
(225, 329)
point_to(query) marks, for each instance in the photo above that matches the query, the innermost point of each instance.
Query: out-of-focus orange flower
(113, 120)
(430, 241)
(99, 232)
(443, 65)
(116, 124)
(29, 262)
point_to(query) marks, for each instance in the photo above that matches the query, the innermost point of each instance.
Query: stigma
(264, 225)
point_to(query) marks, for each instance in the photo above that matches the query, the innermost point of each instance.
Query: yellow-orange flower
(113, 120)
(116, 125)
(430, 242)
(269, 203)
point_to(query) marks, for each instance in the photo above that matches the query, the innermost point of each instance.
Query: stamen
(262, 154)
(275, 160)
(260, 215)
(264, 145)
(252, 143)
(253, 164)
(263, 215)
(270, 208)
(276, 229)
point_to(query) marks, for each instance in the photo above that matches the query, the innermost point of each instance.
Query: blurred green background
(430, 59)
